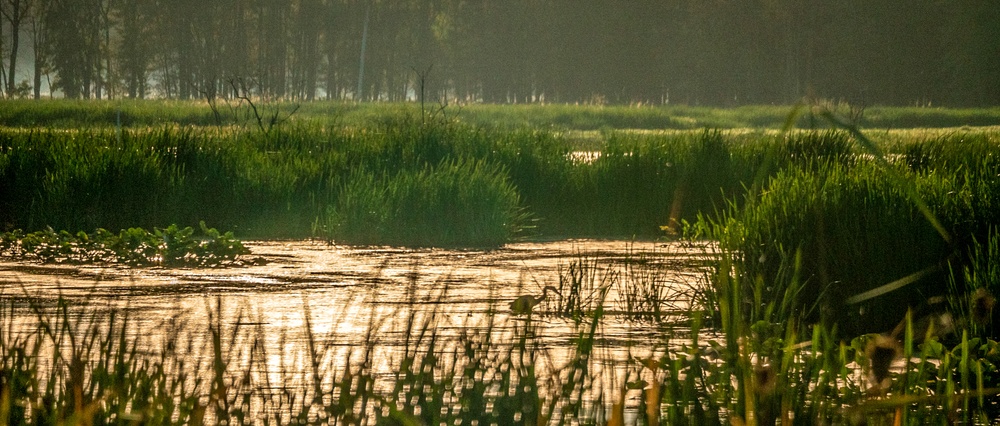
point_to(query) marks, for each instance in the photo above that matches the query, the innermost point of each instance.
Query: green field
(823, 215)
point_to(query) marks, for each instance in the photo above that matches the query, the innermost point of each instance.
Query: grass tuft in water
(470, 203)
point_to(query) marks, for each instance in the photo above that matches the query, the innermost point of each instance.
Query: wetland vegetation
(829, 233)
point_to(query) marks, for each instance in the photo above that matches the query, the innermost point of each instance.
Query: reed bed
(276, 184)
(236, 112)
(841, 252)
(468, 203)
(69, 362)
(287, 181)
(848, 224)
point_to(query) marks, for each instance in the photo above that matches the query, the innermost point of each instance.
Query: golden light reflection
(342, 307)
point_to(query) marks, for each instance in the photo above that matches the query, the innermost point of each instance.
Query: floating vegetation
(172, 246)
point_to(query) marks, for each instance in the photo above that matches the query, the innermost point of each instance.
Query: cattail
(765, 379)
(982, 306)
(882, 351)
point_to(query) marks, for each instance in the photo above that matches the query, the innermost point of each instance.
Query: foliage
(172, 246)
(284, 182)
(468, 203)
(128, 113)
(544, 52)
(856, 238)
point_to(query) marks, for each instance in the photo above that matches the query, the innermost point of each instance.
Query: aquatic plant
(469, 203)
(170, 246)
(283, 183)
(60, 363)
(847, 230)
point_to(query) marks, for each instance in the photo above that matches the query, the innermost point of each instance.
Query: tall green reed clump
(774, 369)
(851, 230)
(274, 183)
(637, 183)
(647, 183)
(971, 160)
(75, 181)
(434, 181)
(453, 203)
(855, 228)
(82, 180)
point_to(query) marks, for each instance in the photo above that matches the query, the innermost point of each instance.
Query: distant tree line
(699, 52)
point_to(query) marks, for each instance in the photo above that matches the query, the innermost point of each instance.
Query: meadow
(844, 238)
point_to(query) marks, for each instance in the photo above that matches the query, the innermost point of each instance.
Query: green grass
(259, 184)
(866, 234)
(453, 203)
(285, 182)
(146, 113)
(853, 231)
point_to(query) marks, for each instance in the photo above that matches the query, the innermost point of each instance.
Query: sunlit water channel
(353, 296)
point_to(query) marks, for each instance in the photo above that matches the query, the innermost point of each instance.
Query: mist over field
(693, 52)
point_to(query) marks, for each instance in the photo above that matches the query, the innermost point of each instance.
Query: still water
(348, 297)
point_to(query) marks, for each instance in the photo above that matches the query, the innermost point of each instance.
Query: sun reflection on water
(349, 300)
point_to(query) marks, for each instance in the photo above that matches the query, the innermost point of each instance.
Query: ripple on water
(350, 295)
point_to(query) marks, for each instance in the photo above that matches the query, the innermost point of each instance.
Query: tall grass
(73, 363)
(858, 226)
(145, 113)
(274, 184)
(468, 203)
(62, 366)
(285, 181)
(851, 230)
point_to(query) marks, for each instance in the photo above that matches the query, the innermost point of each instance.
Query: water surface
(379, 296)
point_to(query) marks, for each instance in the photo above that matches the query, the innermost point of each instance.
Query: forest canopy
(696, 52)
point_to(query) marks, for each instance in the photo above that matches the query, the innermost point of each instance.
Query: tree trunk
(15, 32)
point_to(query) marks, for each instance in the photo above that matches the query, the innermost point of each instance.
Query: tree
(133, 49)
(73, 44)
(15, 12)
(39, 44)
(711, 52)
(306, 57)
